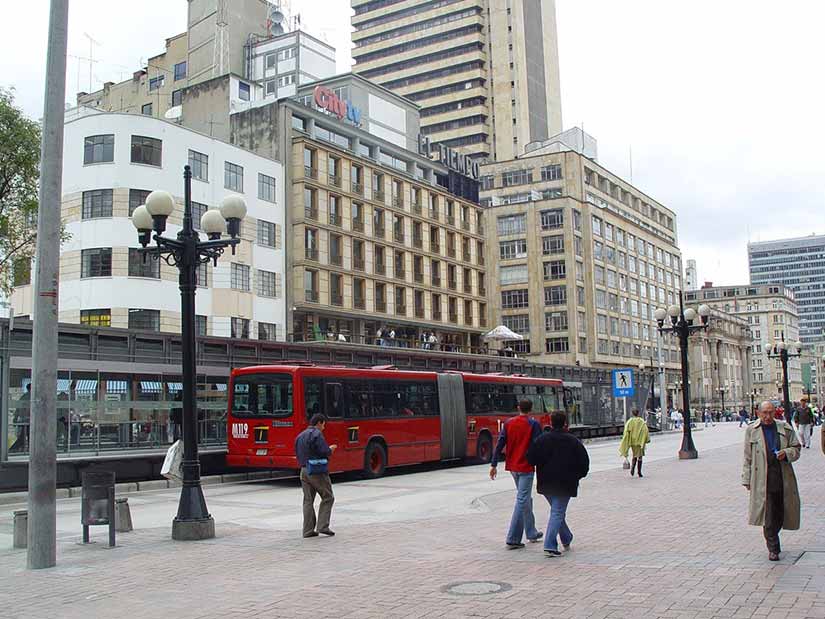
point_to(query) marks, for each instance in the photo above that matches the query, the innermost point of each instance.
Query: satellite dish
(276, 21)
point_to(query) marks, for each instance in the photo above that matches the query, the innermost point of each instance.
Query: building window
(148, 320)
(266, 188)
(146, 150)
(267, 284)
(96, 317)
(97, 203)
(552, 245)
(240, 277)
(243, 91)
(555, 269)
(513, 275)
(555, 295)
(141, 265)
(200, 165)
(180, 70)
(552, 219)
(597, 227)
(518, 323)
(137, 197)
(96, 262)
(286, 54)
(512, 299)
(286, 80)
(270, 60)
(156, 82)
(267, 331)
(99, 149)
(233, 177)
(509, 250)
(202, 275)
(240, 328)
(555, 321)
(267, 234)
(556, 345)
(516, 177)
(551, 173)
(198, 210)
(200, 325)
(146, 109)
(512, 224)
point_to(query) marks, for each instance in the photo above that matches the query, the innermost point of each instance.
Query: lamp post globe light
(187, 252)
(682, 325)
(783, 351)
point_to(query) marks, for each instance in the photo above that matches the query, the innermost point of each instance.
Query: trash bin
(98, 502)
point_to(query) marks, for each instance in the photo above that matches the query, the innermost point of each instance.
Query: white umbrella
(501, 334)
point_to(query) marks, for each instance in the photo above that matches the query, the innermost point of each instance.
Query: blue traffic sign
(623, 383)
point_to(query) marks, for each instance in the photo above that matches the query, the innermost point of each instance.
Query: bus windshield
(262, 395)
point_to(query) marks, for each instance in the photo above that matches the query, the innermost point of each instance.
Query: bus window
(312, 396)
(334, 400)
(504, 399)
(262, 395)
(551, 400)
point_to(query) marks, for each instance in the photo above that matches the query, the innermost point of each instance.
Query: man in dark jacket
(561, 461)
(804, 419)
(311, 445)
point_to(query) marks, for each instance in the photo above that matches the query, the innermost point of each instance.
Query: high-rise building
(581, 260)
(485, 72)
(691, 276)
(770, 313)
(798, 264)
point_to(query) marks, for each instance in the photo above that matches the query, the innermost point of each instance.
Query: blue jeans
(523, 520)
(557, 525)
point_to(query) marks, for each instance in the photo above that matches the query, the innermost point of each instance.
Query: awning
(63, 384)
(151, 386)
(86, 386)
(174, 386)
(220, 386)
(117, 386)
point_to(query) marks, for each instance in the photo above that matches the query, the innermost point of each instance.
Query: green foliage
(19, 174)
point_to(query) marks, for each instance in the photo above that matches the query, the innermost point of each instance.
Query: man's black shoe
(329, 532)
(552, 553)
(312, 534)
(537, 537)
(515, 546)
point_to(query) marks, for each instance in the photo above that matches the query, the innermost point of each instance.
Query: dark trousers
(774, 506)
(313, 485)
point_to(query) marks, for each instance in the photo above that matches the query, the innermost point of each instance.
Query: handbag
(626, 464)
(171, 468)
(317, 466)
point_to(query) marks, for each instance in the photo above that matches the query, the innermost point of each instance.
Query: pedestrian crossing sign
(623, 383)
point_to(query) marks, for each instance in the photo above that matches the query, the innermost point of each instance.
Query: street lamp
(187, 252)
(783, 351)
(681, 321)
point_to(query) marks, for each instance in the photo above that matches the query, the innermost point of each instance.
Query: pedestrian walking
(805, 422)
(636, 436)
(770, 447)
(313, 454)
(743, 417)
(515, 439)
(561, 461)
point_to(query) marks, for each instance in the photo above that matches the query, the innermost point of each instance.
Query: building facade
(798, 264)
(579, 261)
(111, 163)
(691, 276)
(770, 311)
(485, 72)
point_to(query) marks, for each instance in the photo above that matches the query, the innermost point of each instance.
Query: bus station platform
(429, 542)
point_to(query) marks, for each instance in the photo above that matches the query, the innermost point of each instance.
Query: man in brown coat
(770, 447)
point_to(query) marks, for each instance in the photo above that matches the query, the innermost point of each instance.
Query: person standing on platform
(313, 454)
(515, 438)
(636, 436)
(561, 461)
(770, 447)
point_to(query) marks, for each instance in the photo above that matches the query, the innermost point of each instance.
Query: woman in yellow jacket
(635, 437)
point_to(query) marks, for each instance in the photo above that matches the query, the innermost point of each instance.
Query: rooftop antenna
(92, 43)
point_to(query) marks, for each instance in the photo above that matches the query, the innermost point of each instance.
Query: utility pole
(42, 517)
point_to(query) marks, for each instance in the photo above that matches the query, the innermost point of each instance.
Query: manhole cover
(476, 587)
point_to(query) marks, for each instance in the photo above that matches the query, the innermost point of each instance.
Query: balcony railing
(357, 225)
(336, 260)
(435, 247)
(482, 291)
(359, 303)
(451, 252)
(311, 212)
(416, 207)
(379, 231)
(465, 256)
(335, 180)
(418, 277)
(311, 253)
(334, 220)
(380, 268)
(357, 188)
(451, 219)
(398, 201)
(468, 288)
(419, 312)
(402, 274)
(468, 320)
(311, 296)
(480, 230)
(358, 264)
(379, 196)
(418, 241)
(401, 310)
(452, 284)
(380, 305)
(465, 225)
(437, 315)
(434, 214)
(310, 172)
(454, 318)
(336, 299)
(482, 321)
(436, 280)
(398, 235)
(480, 259)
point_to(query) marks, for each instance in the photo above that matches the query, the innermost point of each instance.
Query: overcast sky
(720, 102)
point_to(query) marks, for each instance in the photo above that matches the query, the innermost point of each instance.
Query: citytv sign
(332, 103)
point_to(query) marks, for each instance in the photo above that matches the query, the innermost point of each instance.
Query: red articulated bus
(378, 417)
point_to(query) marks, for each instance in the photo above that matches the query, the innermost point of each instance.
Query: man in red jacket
(516, 436)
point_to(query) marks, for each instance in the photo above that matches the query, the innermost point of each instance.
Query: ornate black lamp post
(187, 252)
(681, 320)
(784, 351)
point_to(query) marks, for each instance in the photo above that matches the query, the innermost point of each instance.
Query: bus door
(336, 432)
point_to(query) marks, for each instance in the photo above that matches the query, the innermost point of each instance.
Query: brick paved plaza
(674, 544)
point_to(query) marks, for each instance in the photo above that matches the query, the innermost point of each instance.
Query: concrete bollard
(123, 517)
(21, 529)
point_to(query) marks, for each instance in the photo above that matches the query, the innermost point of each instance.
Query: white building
(691, 276)
(111, 162)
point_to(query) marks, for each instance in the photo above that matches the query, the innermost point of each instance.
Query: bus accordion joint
(383, 367)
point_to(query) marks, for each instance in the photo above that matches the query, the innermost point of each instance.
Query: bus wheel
(484, 448)
(375, 460)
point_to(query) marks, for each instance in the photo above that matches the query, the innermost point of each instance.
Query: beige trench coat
(755, 473)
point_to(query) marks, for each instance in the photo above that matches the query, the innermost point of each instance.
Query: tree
(19, 174)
